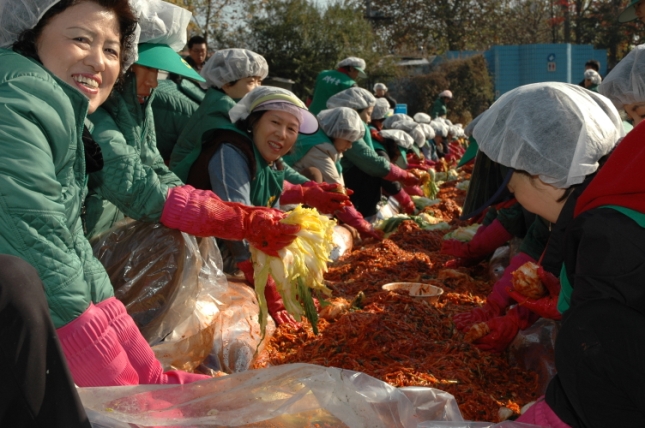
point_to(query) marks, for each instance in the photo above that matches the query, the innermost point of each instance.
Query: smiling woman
(65, 60)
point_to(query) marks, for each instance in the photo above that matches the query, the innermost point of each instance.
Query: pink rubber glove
(504, 329)
(274, 300)
(497, 301)
(401, 175)
(202, 213)
(413, 190)
(93, 352)
(140, 355)
(318, 195)
(405, 202)
(350, 216)
(546, 307)
(486, 240)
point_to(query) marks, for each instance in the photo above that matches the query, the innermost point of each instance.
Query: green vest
(212, 114)
(564, 301)
(328, 84)
(439, 109)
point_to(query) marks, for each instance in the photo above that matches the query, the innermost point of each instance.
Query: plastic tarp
(173, 286)
(292, 395)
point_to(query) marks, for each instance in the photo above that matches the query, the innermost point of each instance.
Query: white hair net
(381, 108)
(412, 128)
(401, 138)
(440, 128)
(342, 122)
(356, 98)
(229, 65)
(446, 94)
(279, 99)
(469, 128)
(427, 130)
(625, 84)
(557, 131)
(390, 120)
(162, 23)
(17, 16)
(593, 76)
(380, 86)
(352, 61)
(422, 118)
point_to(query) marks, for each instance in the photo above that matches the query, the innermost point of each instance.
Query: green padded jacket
(42, 177)
(134, 181)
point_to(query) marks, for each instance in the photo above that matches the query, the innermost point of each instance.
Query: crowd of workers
(90, 136)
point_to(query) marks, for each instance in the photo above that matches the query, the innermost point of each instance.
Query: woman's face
(146, 80)
(81, 46)
(636, 111)
(640, 10)
(275, 134)
(342, 145)
(366, 114)
(242, 87)
(536, 196)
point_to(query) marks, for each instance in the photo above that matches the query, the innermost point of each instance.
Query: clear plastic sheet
(469, 424)
(154, 271)
(289, 396)
(534, 349)
(176, 292)
(498, 262)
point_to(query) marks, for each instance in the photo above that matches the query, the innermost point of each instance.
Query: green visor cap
(629, 13)
(361, 72)
(162, 57)
(471, 152)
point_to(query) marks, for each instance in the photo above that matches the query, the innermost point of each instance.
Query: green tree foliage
(300, 39)
(468, 79)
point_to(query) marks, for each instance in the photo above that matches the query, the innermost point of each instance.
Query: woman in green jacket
(230, 74)
(63, 66)
(244, 165)
(364, 170)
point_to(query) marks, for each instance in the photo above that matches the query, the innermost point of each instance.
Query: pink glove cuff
(395, 173)
(202, 213)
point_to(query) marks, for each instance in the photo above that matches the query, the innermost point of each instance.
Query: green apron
(564, 301)
(266, 187)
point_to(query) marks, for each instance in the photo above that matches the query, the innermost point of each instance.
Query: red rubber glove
(202, 213)
(413, 191)
(546, 307)
(401, 175)
(497, 301)
(274, 300)
(504, 329)
(405, 202)
(350, 216)
(486, 240)
(318, 195)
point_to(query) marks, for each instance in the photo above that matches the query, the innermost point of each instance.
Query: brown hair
(26, 43)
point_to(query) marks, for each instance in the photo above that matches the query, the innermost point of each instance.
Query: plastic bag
(534, 349)
(154, 271)
(343, 242)
(292, 395)
(498, 262)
